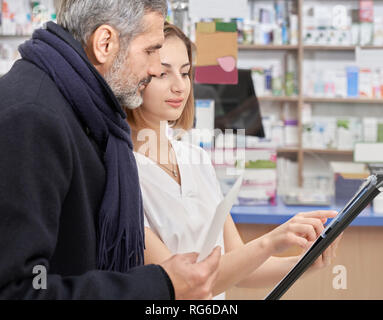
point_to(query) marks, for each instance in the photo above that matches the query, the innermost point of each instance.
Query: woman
(180, 196)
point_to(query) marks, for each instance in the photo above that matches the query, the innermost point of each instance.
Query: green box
(226, 26)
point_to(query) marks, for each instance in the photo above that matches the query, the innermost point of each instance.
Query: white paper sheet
(218, 222)
(226, 9)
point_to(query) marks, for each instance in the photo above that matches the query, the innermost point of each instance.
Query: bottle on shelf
(277, 88)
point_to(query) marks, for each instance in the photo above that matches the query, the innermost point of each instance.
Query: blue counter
(281, 213)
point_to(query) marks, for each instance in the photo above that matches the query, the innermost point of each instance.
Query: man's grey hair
(82, 17)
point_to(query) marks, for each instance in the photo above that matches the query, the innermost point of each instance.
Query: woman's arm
(239, 259)
(155, 250)
(237, 265)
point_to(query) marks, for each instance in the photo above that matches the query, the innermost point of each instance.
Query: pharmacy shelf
(301, 49)
(329, 151)
(288, 150)
(278, 98)
(267, 47)
(343, 100)
(14, 36)
(339, 48)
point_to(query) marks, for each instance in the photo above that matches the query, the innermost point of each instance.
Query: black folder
(366, 193)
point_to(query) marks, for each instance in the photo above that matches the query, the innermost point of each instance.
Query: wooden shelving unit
(329, 151)
(343, 100)
(266, 47)
(339, 48)
(300, 99)
(288, 150)
(316, 151)
(14, 36)
(279, 98)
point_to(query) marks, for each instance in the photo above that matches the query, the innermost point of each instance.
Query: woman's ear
(103, 46)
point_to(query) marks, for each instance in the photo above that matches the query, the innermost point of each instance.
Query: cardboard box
(348, 177)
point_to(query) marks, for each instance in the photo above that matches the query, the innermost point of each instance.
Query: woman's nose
(178, 84)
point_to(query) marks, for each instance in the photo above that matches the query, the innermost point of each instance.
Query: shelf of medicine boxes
(300, 49)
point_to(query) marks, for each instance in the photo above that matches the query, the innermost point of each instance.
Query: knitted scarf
(120, 233)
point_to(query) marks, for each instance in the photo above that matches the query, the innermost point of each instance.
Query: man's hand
(327, 257)
(191, 280)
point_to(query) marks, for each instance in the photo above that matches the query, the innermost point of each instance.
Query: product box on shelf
(352, 81)
(349, 132)
(348, 177)
(365, 83)
(260, 177)
(319, 133)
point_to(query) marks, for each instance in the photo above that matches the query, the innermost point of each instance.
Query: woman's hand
(301, 230)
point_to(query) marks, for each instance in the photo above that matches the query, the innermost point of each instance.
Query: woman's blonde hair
(186, 120)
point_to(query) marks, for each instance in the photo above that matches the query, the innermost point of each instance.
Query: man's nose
(155, 65)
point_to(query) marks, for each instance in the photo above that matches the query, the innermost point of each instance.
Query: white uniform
(181, 215)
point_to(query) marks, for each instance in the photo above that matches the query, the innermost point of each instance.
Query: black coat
(51, 185)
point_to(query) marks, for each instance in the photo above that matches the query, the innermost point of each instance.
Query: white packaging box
(340, 82)
(293, 29)
(366, 33)
(365, 83)
(277, 132)
(347, 137)
(378, 30)
(258, 77)
(378, 205)
(291, 138)
(355, 34)
(370, 129)
(322, 134)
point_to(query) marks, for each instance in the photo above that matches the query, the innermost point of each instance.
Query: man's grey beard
(125, 90)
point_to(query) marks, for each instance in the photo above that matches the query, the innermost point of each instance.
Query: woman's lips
(176, 103)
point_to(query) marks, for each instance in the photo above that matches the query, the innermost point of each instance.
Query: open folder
(218, 222)
(366, 193)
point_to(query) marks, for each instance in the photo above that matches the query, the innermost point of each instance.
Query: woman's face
(165, 96)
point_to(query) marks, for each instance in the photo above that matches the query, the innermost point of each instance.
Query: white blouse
(180, 215)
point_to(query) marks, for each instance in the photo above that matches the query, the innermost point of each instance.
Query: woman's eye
(185, 75)
(163, 74)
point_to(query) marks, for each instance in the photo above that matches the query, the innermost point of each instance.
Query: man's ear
(102, 46)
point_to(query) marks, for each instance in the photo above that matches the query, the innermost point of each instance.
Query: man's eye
(149, 52)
